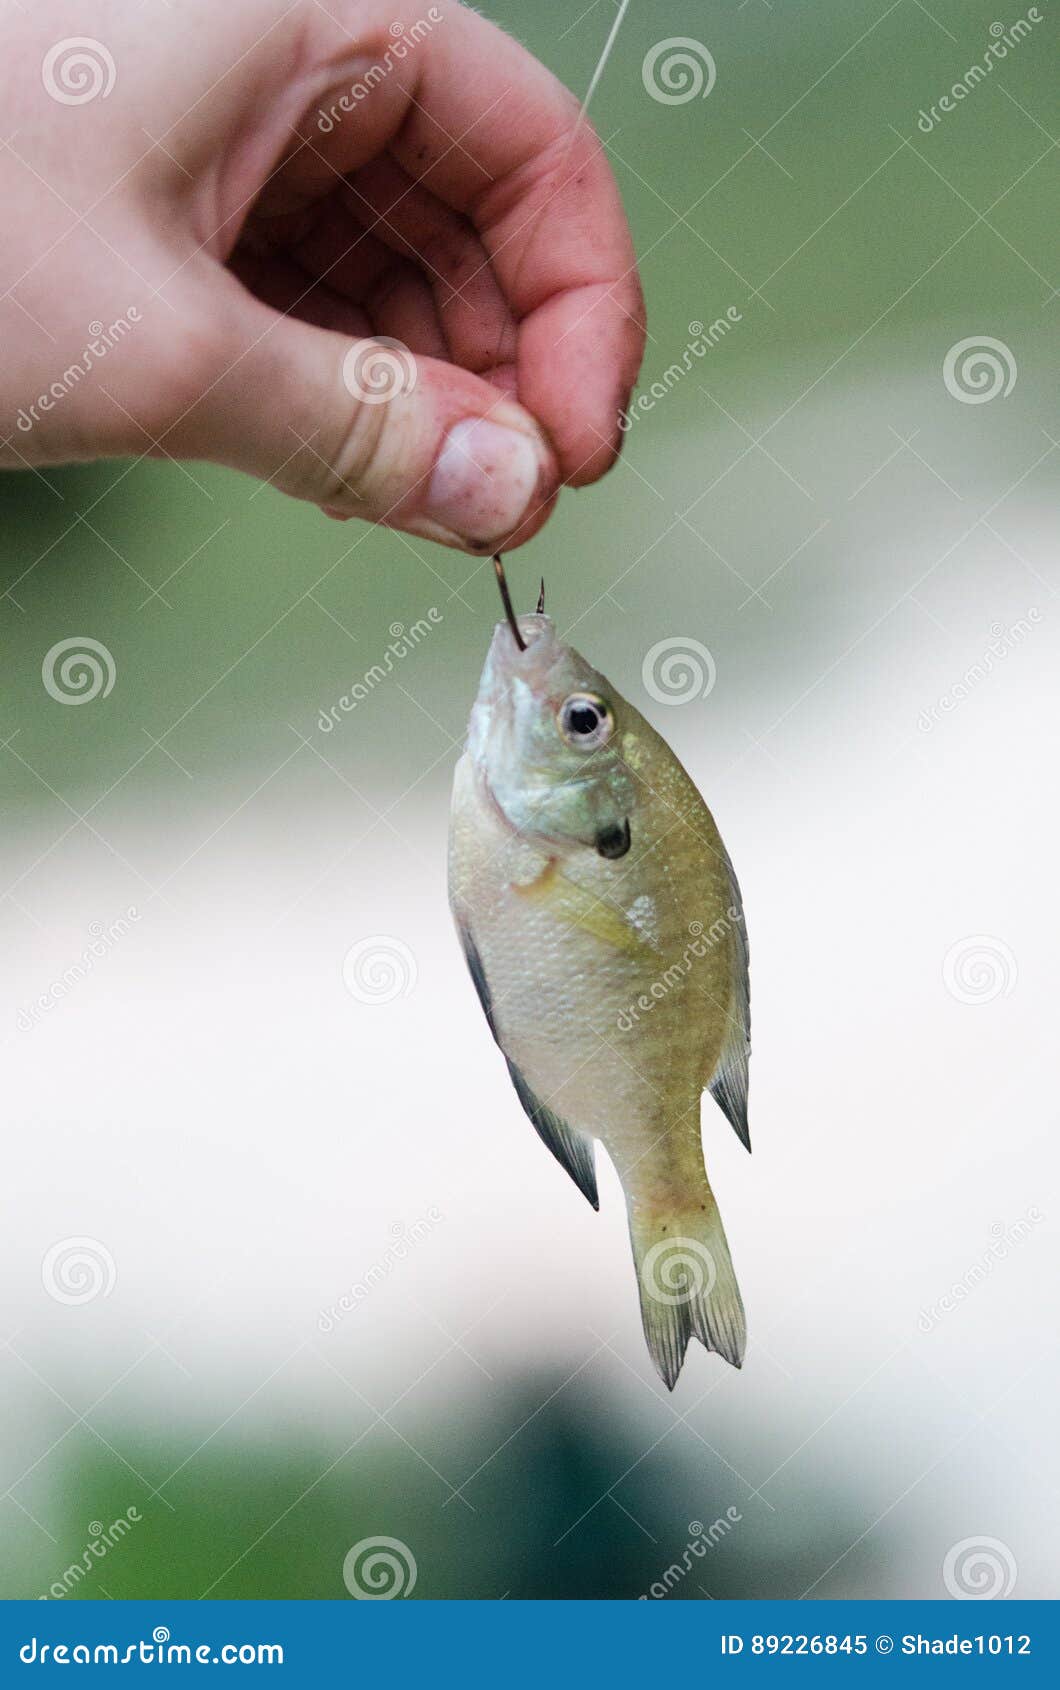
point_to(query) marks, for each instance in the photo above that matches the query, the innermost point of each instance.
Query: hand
(208, 206)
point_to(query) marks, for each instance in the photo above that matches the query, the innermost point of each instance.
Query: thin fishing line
(594, 83)
(599, 71)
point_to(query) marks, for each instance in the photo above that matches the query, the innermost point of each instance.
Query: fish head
(545, 739)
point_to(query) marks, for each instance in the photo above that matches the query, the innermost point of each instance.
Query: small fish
(604, 931)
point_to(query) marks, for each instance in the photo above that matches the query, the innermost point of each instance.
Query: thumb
(364, 428)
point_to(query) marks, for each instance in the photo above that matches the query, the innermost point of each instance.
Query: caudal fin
(687, 1285)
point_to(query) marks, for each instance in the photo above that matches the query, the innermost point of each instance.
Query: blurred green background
(813, 504)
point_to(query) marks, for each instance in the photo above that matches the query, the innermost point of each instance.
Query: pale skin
(311, 186)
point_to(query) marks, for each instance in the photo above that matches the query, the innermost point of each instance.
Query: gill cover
(546, 785)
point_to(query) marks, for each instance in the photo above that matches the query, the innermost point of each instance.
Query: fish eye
(585, 721)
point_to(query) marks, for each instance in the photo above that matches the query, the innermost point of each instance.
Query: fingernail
(486, 480)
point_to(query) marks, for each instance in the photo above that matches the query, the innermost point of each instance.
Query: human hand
(208, 206)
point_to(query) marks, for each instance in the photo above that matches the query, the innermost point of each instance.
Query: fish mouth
(535, 626)
(506, 662)
(533, 629)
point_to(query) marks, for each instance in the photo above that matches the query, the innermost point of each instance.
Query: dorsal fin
(729, 1081)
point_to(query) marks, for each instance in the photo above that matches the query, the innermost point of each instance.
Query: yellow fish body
(604, 931)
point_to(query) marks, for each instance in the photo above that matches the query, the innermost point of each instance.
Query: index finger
(479, 121)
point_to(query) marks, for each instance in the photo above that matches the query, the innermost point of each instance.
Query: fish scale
(604, 930)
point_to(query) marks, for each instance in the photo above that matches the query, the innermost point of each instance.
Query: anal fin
(572, 1149)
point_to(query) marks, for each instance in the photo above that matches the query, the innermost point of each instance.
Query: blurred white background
(246, 1138)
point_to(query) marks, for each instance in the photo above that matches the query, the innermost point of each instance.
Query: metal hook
(506, 600)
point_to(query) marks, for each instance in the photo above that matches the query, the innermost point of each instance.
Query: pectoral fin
(580, 908)
(572, 1149)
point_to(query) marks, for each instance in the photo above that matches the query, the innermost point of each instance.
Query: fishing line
(599, 71)
(579, 124)
(535, 219)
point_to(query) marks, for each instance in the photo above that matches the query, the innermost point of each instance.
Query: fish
(603, 929)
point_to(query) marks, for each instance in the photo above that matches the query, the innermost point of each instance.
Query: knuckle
(355, 460)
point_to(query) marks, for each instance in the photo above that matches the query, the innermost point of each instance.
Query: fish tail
(687, 1283)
